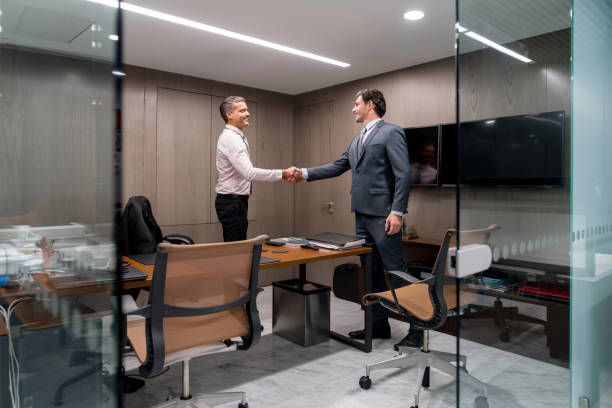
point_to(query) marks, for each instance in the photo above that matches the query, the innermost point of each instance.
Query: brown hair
(377, 98)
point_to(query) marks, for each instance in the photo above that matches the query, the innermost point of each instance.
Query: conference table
(34, 315)
(301, 257)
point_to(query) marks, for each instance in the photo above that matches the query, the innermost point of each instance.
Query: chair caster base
(245, 405)
(365, 382)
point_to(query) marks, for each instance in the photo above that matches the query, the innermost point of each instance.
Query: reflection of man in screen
(422, 172)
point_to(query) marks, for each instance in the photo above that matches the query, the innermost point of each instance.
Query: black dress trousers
(232, 211)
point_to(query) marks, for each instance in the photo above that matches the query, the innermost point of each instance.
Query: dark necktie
(244, 139)
(360, 142)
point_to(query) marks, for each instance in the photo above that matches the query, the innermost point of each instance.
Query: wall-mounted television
(521, 151)
(448, 154)
(423, 154)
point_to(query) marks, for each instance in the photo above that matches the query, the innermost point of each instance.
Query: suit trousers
(386, 254)
(232, 212)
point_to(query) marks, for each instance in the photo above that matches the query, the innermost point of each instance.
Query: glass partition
(59, 337)
(514, 150)
(591, 204)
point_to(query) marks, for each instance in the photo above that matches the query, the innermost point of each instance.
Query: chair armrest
(418, 267)
(409, 278)
(178, 239)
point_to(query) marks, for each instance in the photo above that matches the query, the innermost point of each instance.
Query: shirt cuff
(397, 213)
(305, 174)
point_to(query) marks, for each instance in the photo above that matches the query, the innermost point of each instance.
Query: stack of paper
(291, 241)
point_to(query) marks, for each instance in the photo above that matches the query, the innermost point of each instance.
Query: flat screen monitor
(423, 155)
(522, 151)
(448, 154)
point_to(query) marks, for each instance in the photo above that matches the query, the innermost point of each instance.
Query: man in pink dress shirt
(236, 172)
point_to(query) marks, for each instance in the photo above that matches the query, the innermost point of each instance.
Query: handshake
(292, 175)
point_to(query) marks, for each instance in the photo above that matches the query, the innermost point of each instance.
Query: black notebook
(265, 260)
(131, 274)
(145, 259)
(336, 240)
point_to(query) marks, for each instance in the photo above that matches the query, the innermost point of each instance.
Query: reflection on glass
(513, 157)
(421, 170)
(422, 149)
(58, 334)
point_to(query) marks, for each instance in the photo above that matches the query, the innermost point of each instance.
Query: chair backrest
(202, 294)
(443, 291)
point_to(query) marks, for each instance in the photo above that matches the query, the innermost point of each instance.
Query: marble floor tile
(280, 374)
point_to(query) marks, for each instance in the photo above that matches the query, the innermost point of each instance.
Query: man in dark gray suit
(378, 160)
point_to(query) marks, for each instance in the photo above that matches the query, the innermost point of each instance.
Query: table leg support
(366, 345)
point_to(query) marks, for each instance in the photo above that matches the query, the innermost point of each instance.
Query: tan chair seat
(415, 298)
(186, 332)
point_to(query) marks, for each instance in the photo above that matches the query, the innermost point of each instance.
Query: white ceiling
(372, 36)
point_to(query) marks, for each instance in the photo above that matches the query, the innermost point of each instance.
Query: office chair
(426, 304)
(201, 297)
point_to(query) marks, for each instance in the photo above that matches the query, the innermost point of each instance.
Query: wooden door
(313, 133)
(183, 149)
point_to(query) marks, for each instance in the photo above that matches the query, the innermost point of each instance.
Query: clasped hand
(292, 175)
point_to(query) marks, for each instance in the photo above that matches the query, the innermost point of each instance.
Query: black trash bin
(300, 311)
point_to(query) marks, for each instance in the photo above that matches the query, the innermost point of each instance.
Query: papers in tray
(291, 241)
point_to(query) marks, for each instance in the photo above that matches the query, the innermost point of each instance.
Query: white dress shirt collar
(371, 124)
(235, 129)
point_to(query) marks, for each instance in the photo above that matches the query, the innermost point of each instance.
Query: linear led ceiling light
(219, 31)
(491, 44)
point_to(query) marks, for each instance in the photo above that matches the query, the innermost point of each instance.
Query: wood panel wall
(56, 139)
(171, 126)
(492, 85)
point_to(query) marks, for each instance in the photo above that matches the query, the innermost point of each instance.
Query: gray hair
(228, 105)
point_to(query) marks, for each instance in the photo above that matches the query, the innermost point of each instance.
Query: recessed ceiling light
(219, 31)
(414, 15)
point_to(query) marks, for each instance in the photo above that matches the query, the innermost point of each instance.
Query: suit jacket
(381, 174)
(139, 233)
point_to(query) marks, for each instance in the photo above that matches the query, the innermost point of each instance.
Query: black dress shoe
(377, 333)
(414, 339)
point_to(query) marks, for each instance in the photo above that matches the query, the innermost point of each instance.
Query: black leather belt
(234, 196)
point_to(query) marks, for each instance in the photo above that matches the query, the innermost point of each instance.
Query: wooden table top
(421, 242)
(38, 317)
(293, 256)
(297, 255)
